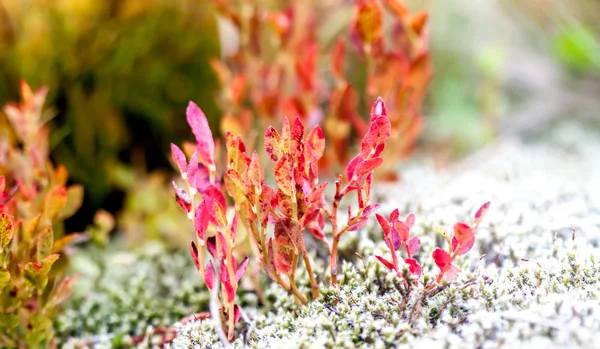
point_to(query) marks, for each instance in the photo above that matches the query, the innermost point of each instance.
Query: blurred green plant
(149, 212)
(576, 47)
(117, 69)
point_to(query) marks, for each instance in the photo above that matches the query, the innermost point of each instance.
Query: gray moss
(126, 293)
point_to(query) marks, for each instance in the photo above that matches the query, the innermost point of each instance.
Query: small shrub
(297, 204)
(34, 200)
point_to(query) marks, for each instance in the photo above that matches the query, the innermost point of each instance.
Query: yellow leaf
(45, 242)
(74, 200)
(55, 201)
(6, 230)
(4, 278)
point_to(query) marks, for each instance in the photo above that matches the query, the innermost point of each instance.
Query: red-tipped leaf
(385, 262)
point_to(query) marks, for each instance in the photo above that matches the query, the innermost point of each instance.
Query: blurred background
(120, 73)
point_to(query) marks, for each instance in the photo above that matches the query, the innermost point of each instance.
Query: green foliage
(118, 72)
(576, 47)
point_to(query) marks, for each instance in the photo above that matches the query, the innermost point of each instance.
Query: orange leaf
(369, 21)
(284, 171)
(55, 201)
(418, 21)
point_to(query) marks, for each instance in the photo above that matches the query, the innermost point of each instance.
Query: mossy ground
(532, 279)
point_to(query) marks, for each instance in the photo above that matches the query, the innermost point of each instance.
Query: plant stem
(313, 281)
(301, 297)
(231, 318)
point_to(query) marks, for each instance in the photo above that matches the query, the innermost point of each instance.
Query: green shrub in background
(118, 72)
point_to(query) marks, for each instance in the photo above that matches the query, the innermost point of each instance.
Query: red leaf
(410, 220)
(310, 216)
(209, 275)
(179, 158)
(481, 213)
(316, 139)
(384, 224)
(321, 220)
(214, 192)
(236, 313)
(229, 290)
(352, 165)
(241, 269)
(182, 198)
(283, 259)
(367, 167)
(359, 225)
(199, 177)
(316, 196)
(273, 143)
(256, 175)
(379, 131)
(204, 140)
(394, 215)
(402, 229)
(317, 233)
(413, 244)
(284, 170)
(370, 209)
(395, 238)
(211, 245)
(385, 262)
(414, 267)
(194, 253)
(201, 219)
(463, 233)
(297, 130)
(442, 259)
(378, 109)
(465, 247)
(367, 185)
(451, 273)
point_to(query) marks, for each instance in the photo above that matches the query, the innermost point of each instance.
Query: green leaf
(36, 273)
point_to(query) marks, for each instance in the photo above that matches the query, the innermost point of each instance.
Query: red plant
(462, 241)
(396, 235)
(296, 204)
(274, 73)
(205, 205)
